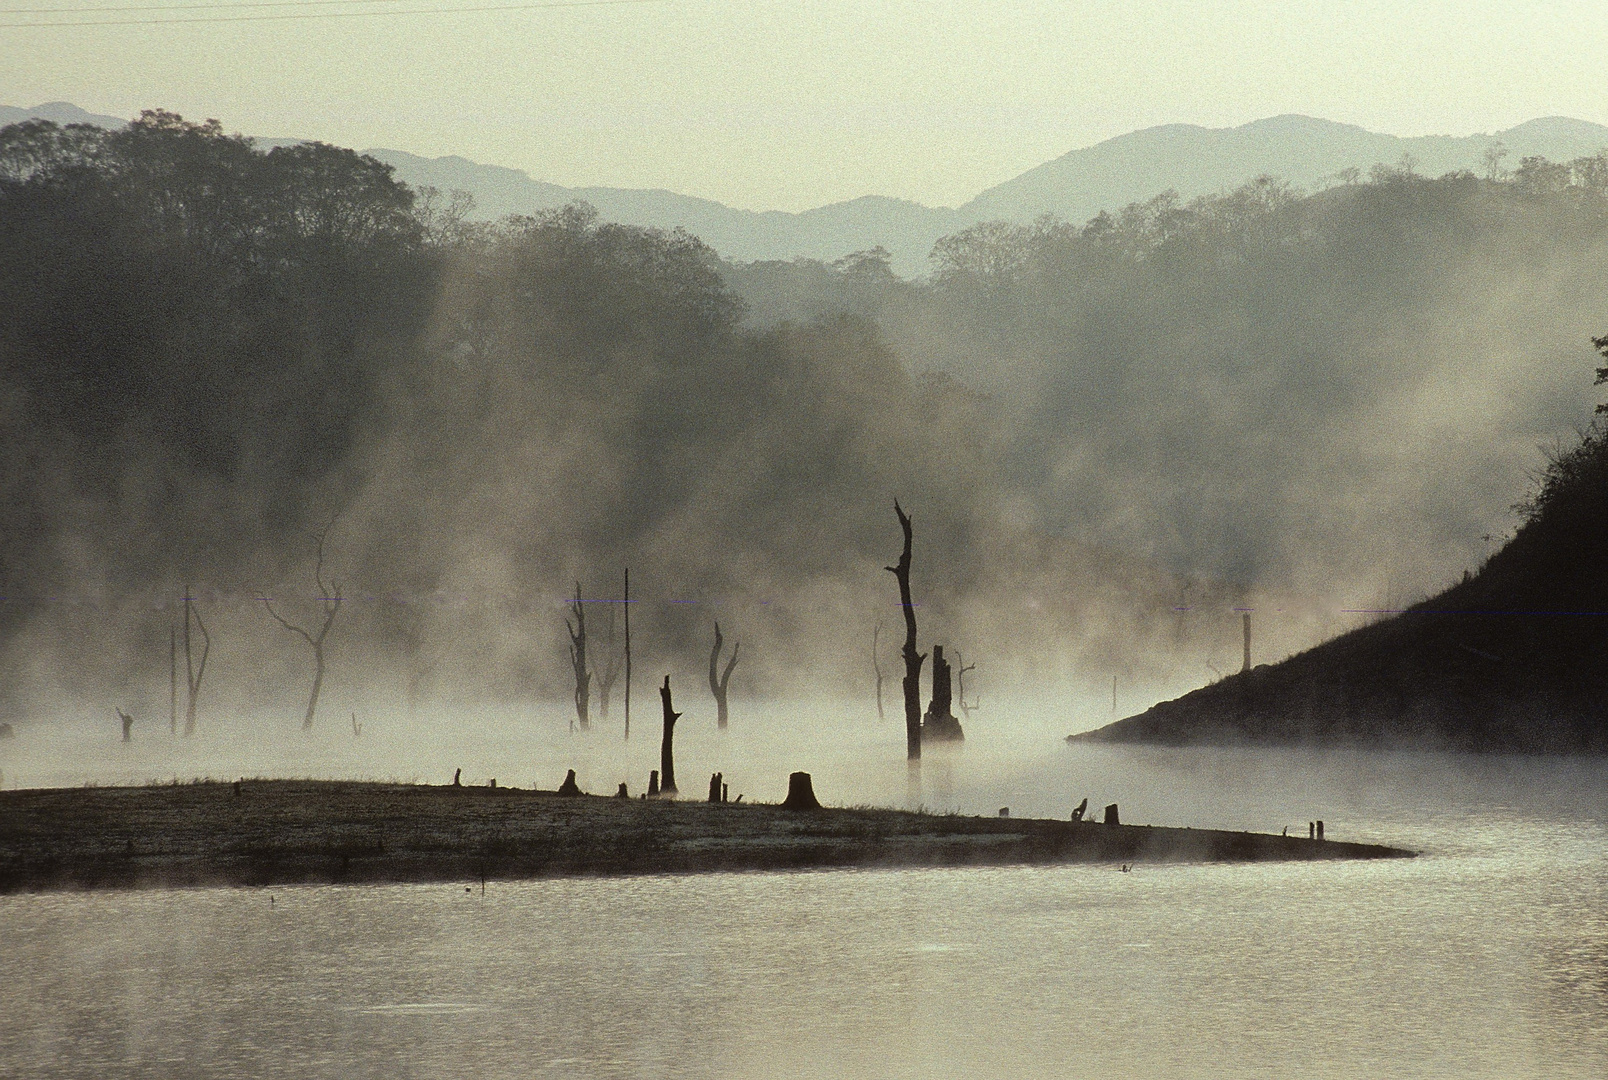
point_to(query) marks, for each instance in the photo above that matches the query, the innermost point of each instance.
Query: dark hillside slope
(1512, 660)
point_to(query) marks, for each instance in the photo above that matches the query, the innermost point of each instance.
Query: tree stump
(714, 788)
(622, 793)
(800, 793)
(569, 786)
(1111, 817)
(653, 783)
(1079, 810)
(667, 758)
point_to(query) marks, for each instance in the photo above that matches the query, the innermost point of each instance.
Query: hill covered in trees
(1110, 434)
(1513, 659)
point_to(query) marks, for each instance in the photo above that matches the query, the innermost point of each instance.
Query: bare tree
(667, 758)
(329, 599)
(627, 605)
(610, 672)
(193, 672)
(961, 667)
(912, 659)
(718, 686)
(173, 680)
(876, 665)
(583, 677)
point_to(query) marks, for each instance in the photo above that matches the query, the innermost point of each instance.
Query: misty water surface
(1487, 956)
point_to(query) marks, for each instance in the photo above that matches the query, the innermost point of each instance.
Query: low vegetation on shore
(267, 832)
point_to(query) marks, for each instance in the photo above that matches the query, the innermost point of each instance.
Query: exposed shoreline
(279, 832)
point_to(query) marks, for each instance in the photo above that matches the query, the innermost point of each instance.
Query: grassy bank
(264, 832)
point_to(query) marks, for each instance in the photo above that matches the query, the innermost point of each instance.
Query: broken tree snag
(193, 672)
(717, 686)
(876, 665)
(800, 793)
(569, 786)
(329, 596)
(653, 782)
(940, 725)
(714, 788)
(667, 757)
(1111, 816)
(128, 722)
(583, 678)
(912, 659)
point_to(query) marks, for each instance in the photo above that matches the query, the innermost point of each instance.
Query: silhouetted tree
(876, 665)
(912, 659)
(717, 686)
(194, 672)
(329, 600)
(583, 677)
(961, 667)
(610, 672)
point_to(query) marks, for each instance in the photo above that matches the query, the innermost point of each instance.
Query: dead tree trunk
(876, 665)
(583, 677)
(627, 606)
(329, 598)
(610, 672)
(173, 680)
(940, 725)
(718, 686)
(667, 757)
(912, 659)
(193, 672)
(961, 667)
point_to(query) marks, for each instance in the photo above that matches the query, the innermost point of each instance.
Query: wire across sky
(268, 11)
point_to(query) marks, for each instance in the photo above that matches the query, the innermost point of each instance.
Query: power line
(309, 14)
(192, 7)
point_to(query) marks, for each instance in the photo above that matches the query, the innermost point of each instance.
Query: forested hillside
(1110, 434)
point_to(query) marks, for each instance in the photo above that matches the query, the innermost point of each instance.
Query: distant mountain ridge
(1189, 159)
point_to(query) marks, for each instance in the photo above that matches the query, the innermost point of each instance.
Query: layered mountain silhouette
(1185, 158)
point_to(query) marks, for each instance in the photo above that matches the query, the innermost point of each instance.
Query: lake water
(1485, 957)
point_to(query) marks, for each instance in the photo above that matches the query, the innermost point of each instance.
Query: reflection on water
(1486, 957)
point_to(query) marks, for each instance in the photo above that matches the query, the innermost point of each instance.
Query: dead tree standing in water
(329, 597)
(876, 665)
(667, 758)
(610, 672)
(173, 680)
(627, 606)
(718, 686)
(940, 725)
(961, 667)
(583, 678)
(912, 659)
(193, 672)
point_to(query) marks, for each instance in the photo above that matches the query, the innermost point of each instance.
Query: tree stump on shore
(653, 783)
(714, 788)
(800, 793)
(622, 793)
(569, 786)
(1111, 817)
(667, 758)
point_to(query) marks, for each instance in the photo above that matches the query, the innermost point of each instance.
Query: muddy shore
(271, 832)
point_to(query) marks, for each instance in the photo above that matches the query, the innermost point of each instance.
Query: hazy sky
(767, 104)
